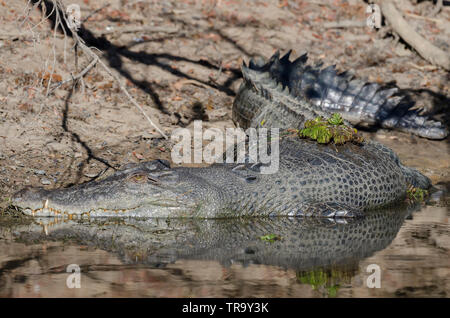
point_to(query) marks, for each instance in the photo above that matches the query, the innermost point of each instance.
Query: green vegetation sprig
(270, 238)
(416, 194)
(332, 129)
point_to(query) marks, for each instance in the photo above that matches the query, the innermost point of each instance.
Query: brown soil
(60, 140)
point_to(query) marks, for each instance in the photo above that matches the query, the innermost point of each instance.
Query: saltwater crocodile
(281, 93)
(312, 179)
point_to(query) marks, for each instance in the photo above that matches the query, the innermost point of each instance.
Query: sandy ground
(185, 68)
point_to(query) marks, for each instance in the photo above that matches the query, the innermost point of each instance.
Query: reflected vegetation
(311, 257)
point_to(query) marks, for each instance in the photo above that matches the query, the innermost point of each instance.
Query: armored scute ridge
(289, 93)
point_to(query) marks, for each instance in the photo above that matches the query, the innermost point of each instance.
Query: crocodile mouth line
(64, 213)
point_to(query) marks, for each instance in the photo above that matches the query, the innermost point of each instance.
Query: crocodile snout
(32, 198)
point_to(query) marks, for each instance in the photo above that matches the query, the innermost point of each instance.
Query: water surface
(278, 257)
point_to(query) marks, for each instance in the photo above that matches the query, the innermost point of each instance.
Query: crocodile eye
(138, 178)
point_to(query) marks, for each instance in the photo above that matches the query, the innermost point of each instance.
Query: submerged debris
(332, 129)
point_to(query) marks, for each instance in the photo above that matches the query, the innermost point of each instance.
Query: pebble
(40, 172)
(45, 181)
(437, 196)
(91, 175)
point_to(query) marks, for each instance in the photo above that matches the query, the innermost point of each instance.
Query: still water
(282, 257)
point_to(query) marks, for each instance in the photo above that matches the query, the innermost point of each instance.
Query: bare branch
(95, 12)
(147, 29)
(76, 77)
(427, 50)
(344, 24)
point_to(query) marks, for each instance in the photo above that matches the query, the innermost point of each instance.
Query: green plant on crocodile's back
(332, 129)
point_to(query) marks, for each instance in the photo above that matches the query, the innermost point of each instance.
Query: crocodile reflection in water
(302, 243)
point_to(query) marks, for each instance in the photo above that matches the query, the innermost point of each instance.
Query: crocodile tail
(359, 102)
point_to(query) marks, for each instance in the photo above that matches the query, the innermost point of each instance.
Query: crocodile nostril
(28, 194)
(19, 195)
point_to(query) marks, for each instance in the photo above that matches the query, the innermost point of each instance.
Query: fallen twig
(94, 12)
(178, 85)
(427, 50)
(146, 29)
(412, 15)
(76, 77)
(344, 24)
(424, 67)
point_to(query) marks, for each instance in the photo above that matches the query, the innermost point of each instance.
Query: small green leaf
(270, 238)
(336, 119)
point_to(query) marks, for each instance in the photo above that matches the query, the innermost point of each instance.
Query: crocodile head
(150, 189)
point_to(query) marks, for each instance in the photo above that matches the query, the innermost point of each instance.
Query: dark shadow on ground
(77, 138)
(115, 53)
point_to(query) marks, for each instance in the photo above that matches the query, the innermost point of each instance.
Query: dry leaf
(138, 155)
(25, 107)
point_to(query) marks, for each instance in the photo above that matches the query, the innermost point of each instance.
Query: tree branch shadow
(114, 54)
(77, 138)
